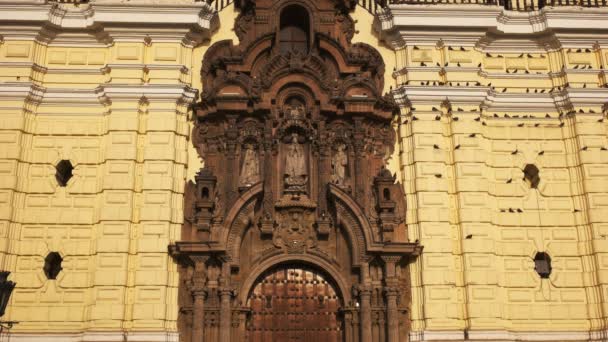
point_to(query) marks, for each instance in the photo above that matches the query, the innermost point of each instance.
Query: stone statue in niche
(295, 165)
(250, 171)
(338, 165)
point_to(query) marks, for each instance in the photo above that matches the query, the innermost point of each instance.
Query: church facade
(299, 170)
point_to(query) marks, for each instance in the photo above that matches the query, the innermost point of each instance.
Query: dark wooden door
(293, 304)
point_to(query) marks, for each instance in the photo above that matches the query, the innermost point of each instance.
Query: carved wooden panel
(294, 304)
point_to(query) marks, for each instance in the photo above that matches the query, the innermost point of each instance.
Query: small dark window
(542, 264)
(64, 172)
(52, 265)
(205, 193)
(387, 194)
(295, 27)
(531, 175)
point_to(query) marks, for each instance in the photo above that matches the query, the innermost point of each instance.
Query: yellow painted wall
(113, 221)
(123, 207)
(480, 223)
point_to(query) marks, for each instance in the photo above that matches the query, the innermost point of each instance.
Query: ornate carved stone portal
(294, 230)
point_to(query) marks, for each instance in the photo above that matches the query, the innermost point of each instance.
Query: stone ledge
(160, 336)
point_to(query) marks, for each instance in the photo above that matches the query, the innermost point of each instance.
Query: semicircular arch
(305, 259)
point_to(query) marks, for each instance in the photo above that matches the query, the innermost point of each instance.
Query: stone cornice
(183, 21)
(469, 23)
(490, 100)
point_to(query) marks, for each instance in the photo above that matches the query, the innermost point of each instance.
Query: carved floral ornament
(295, 133)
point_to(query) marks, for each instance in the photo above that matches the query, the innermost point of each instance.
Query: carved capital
(391, 259)
(200, 293)
(391, 291)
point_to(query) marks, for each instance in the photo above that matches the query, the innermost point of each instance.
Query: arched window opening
(205, 193)
(387, 194)
(295, 29)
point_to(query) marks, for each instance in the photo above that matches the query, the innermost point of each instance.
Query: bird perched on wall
(541, 153)
(457, 147)
(514, 152)
(509, 180)
(472, 135)
(477, 118)
(435, 146)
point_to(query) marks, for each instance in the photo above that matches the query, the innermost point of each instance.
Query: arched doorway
(292, 303)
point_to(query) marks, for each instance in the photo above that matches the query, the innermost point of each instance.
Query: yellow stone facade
(80, 83)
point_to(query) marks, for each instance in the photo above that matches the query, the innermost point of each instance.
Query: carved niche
(295, 134)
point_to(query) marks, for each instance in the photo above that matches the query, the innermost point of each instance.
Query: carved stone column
(361, 162)
(199, 315)
(348, 325)
(266, 224)
(391, 292)
(199, 293)
(365, 311)
(232, 161)
(225, 314)
(392, 313)
(225, 303)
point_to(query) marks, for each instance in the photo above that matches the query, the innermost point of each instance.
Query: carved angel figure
(250, 171)
(338, 165)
